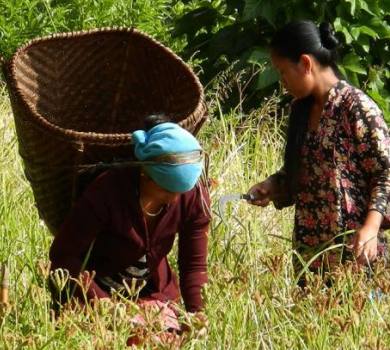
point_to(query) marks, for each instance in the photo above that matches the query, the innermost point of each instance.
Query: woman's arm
(281, 196)
(76, 236)
(373, 144)
(273, 189)
(193, 249)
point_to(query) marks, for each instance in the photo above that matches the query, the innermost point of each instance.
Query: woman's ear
(306, 63)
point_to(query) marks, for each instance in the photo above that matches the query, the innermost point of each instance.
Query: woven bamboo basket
(76, 99)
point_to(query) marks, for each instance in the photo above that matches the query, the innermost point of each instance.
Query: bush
(225, 32)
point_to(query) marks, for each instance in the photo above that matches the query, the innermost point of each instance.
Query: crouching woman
(125, 223)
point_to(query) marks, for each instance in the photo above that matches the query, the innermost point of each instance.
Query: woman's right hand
(263, 192)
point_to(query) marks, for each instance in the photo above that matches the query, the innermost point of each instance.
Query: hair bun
(328, 39)
(155, 119)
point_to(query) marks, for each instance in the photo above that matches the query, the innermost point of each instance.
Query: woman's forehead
(280, 61)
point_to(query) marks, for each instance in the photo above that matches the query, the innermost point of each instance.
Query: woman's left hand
(366, 244)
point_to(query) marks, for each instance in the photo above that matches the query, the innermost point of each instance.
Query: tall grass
(252, 302)
(21, 21)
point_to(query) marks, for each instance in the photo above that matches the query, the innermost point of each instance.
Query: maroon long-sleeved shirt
(109, 213)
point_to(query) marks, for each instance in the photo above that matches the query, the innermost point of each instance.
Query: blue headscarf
(165, 139)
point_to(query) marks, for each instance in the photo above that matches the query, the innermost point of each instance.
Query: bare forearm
(374, 219)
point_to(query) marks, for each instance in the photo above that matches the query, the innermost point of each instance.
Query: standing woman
(125, 223)
(336, 164)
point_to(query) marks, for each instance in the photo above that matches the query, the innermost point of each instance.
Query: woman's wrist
(373, 220)
(374, 228)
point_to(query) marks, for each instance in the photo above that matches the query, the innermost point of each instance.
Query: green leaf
(342, 70)
(197, 44)
(340, 27)
(353, 6)
(355, 32)
(364, 43)
(347, 35)
(195, 20)
(380, 27)
(375, 82)
(370, 32)
(351, 62)
(266, 78)
(362, 5)
(353, 78)
(342, 10)
(382, 102)
(266, 9)
(385, 5)
(252, 9)
(386, 114)
(259, 55)
(234, 5)
(231, 40)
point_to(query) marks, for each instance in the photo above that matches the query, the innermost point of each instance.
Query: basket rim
(94, 137)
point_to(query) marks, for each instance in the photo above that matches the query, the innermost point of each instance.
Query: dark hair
(304, 37)
(292, 41)
(155, 119)
(296, 132)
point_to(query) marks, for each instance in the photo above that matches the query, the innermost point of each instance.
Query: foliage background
(220, 36)
(225, 32)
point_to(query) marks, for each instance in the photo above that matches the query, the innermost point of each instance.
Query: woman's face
(295, 77)
(155, 191)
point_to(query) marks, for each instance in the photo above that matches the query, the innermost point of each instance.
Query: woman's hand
(365, 244)
(263, 192)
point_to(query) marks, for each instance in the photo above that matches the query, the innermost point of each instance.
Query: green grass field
(252, 301)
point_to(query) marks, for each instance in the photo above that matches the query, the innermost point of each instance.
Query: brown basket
(77, 97)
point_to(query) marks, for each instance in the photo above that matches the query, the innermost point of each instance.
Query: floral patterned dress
(345, 173)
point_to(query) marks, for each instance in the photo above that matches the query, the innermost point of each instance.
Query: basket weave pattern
(77, 97)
